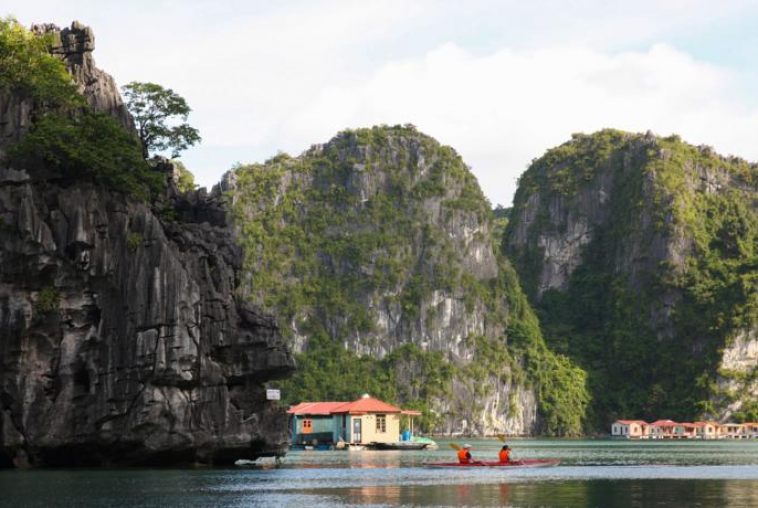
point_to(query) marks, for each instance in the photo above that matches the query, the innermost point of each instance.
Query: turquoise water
(592, 473)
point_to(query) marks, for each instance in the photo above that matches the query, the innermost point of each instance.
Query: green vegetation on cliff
(668, 278)
(27, 67)
(420, 379)
(350, 244)
(87, 144)
(186, 180)
(315, 243)
(66, 136)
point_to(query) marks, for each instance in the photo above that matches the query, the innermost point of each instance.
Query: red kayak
(494, 463)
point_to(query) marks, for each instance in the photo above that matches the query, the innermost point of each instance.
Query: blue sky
(499, 81)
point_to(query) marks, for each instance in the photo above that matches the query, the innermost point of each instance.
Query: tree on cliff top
(153, 108)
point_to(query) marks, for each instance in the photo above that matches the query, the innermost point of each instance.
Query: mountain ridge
(639, 253)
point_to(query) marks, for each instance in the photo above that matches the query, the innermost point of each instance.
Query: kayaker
(464, 455)
(505, 454)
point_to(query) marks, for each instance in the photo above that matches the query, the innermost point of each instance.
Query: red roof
(359, 406)
(366, 405)
(664, 423)
(628, 422)
(314, 408)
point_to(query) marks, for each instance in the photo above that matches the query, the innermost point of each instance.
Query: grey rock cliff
(122, 340)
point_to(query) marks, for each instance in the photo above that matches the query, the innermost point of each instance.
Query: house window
(307, 426)
(381, 423)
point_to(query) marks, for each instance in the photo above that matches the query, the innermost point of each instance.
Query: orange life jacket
(464, 457)
(505, 455)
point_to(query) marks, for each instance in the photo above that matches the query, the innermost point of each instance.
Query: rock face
(640, 253)
(122, 340)
(379, 240)
(441, 238)
(737, 382)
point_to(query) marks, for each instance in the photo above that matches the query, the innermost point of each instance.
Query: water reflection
(593, 473)
(604, 493)
(570, 452)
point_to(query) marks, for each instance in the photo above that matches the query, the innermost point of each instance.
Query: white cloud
(502, 110)
(499, 81)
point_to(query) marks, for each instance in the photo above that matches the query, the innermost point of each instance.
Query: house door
(356, 430)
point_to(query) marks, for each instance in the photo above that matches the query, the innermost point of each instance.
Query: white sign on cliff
(272, 394)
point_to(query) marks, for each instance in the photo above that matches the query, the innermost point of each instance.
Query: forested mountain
(376, 252)
(640, 254)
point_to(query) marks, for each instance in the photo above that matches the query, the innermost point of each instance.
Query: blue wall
(322, 429)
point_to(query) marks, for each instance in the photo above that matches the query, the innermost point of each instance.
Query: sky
(499, 81)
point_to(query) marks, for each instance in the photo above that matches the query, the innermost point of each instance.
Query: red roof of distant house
(664, 423)
(314, 408)
(628, 422)
(366, 405)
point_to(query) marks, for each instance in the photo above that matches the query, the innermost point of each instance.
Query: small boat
(399, 445)
(430, 443)
(494, 463)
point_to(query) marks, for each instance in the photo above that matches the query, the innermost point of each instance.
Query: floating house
(361, 422)
(748, 430)
(630, 429)
(707, 430)
(663, 429)
(669, 429)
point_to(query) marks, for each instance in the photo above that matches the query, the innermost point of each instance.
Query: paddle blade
(501, 437)
(454, 446)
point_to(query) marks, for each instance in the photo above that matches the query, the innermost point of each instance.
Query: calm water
(592, 473)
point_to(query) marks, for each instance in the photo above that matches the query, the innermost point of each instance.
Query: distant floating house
(629, 429)
(663, 429)
(360, 422)
(669, 429)
(707, 430)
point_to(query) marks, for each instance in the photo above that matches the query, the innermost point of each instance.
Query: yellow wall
(369, 433)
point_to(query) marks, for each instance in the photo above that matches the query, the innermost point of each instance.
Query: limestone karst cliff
(122, 340)
(73, 46)
(376, 250)
(641, 255)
